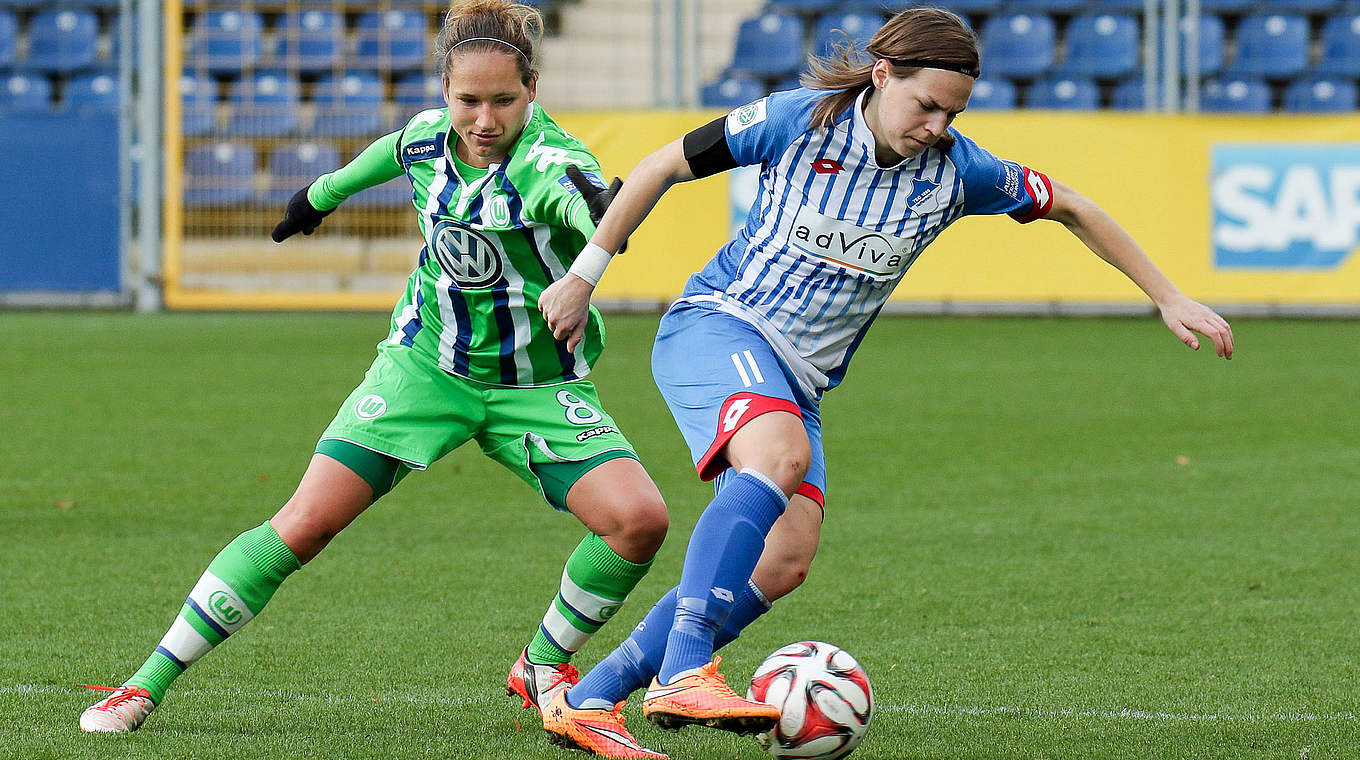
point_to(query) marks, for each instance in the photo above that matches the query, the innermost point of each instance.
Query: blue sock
(722, 552)
(636, 661)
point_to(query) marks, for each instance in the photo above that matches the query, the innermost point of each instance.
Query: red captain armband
(1040, 192)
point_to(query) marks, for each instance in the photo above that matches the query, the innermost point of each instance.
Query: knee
(788, 465)
(783, 576)
(637, 529)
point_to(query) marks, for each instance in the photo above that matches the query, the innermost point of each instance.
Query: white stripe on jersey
(448, 333)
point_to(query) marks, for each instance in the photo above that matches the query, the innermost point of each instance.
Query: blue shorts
(717, 372)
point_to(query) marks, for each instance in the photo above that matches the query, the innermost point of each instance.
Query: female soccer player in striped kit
(503, 208)
(859, 173)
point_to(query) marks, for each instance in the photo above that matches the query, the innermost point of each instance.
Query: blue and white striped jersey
(831, 232)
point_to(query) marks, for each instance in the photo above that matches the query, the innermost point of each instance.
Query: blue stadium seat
(1301, 6)
(198, 95)
(1272, 46)
(310, 41)
(390, 41)
(264, 105)
(96, 91)
(730, 92)
(224, 41)
(968, 7)
(390, 194)
(1017, 45)
(1118, 6)
(1063, 93)
(26, 93)
(1211, 44)
(770, 45)
(1225, 6)
(293, 166)
(839, 28)
(219, 174)
(1320, 95)
(992, 95)
(416, 91)
(1103, 46)
(1062, 7)
(802, 6)
(1129, 95)
(350, 105)
(62, 40)
(1235, 94)
(9, 38)
(1340, 46)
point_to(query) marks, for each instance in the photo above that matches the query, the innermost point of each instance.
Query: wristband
(590, 265)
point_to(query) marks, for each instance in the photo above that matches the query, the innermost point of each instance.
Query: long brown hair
(485, 25)
(932, 34)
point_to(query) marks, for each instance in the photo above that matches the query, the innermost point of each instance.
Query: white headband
(487, 39)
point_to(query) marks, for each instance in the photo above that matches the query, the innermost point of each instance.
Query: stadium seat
(837, 28)
(992, 95)
(770, 45)
(1211, 44)
(416, 91)
(310, 41)
(1320, 95)
(802, 6)
(198, 96)
(1063, 93)
(9, 39)
(294, 166)
(391, 194)
(967, 7)
(1102, 46)
(350, 105)
(1273, 46)
(1017, 45)
(730, 92)
(219, 174)
(1118, 6)
(264, 105)
(1340, 46)
(1235, 94)
(96, 91)
(1129, 95)
(224, 41)
(62, 40)
(1301, 6)
(1226, 6)
(390, 41)
(26, 93)
(1040, 7)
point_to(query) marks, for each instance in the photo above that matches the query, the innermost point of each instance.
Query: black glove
(301, 216)
(597, 200)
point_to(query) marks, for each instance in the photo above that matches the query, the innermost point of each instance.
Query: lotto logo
(1285, 206)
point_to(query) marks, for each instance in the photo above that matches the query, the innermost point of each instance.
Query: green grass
(1044, 539)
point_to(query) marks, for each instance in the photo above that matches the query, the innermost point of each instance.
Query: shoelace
(121, 694)
(567, 674)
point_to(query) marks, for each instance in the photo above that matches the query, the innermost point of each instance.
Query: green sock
(236, 586)
(595, 583)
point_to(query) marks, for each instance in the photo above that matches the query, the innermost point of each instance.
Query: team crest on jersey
(466, 255)
(923, 197)
(498, 210)
(747, 116)
(856, 248)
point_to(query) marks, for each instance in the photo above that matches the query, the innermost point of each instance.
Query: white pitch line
(941, 710)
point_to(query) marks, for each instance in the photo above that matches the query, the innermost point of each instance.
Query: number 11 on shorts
(741, 369)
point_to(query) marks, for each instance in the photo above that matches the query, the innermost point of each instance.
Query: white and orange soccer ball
(824, 698)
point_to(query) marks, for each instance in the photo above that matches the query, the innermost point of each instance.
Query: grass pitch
(1044, 539)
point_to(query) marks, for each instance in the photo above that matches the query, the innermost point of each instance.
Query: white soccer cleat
(125, 711)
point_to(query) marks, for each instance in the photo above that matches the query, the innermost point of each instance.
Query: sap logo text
(1285, 206)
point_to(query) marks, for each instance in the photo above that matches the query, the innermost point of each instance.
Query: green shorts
(411, 410)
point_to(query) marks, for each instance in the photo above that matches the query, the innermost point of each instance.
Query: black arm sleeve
(706, 149)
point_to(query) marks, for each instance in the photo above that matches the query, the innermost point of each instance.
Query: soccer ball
(824, 699)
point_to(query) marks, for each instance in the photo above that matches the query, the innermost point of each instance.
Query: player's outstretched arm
(1102, 234)
(566, 303)
(300, 216)
(374, 165)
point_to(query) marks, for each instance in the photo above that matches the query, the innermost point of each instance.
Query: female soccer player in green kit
(503, 204)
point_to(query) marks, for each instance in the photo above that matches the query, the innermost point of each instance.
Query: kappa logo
(545, 156)
(370, 407)
(591, 433)
(423, 150)
(466, 255)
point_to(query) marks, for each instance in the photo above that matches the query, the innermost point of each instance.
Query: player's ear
(880, 73)
(533, 87)
(444, 79)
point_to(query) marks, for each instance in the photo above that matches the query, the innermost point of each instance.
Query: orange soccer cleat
(538, 684)
(703, 697)
(599, 732)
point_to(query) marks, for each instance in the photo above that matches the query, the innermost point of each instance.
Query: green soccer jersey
(494, 240)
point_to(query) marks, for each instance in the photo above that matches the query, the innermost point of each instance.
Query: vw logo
(468, 256)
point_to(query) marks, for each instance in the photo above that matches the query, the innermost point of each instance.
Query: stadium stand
(395, 40)
(415, 91)
(1129, 95)
(1340, 46)
(264, 104)
(95, 91)
(1274, 46)
(199, 103)
(219, 174)
(26, 93)
(61, 41)
(1325, 95)
(731, 92)
(292, 166)
(9, 39)
(1241, 95)
(1017, 45)
(770, 45)
(310, 41)
(350, 105)
(837, 28)
(225, 41)
(1064, 94)
(1102, 46)
(1040, 7)
(993, 95)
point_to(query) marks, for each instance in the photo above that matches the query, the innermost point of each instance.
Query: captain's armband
(706, 149)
